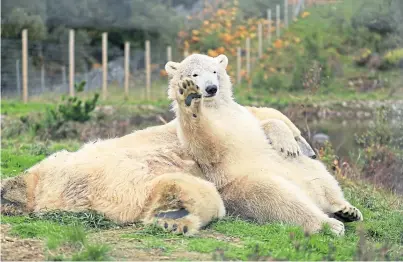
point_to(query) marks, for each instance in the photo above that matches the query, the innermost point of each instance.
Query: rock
(319, 139)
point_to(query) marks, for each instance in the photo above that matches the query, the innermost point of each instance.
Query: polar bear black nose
(211, 89)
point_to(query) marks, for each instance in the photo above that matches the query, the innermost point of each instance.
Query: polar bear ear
(171, 68)
(222, 60)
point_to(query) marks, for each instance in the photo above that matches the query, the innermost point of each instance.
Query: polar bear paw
(280, 137)
(178, 222)
(287, 147)
(188, 95)
(348, 213)
(336, 226)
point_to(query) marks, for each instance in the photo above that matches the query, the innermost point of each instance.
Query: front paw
(188, 94)
(289, 148)
(336, 226)
(348, 213)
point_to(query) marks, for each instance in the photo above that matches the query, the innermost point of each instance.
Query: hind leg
(271, 198)
(326, 192)
(181, 203)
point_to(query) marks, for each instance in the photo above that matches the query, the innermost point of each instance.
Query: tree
(19, 19)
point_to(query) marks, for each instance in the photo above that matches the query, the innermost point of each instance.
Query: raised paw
(348, 213)
(189, 93)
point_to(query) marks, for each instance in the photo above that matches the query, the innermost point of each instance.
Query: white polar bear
(232, 150)
(144, 176)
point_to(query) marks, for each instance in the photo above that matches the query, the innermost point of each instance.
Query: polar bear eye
(215, 72)
(194, 75)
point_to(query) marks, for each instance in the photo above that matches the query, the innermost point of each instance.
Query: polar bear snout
(211, 90)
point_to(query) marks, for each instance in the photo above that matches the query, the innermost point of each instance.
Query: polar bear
(232, 151)
(144, 176)
(151, 182)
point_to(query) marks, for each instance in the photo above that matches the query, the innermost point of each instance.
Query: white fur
(233, 152)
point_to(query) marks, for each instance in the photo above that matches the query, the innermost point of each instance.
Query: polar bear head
(207, 72)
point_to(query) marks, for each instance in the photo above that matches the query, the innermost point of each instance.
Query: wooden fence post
(169, 53)
(238, 65)
(127, 68)
(104, 65)
(247, 56)
(71, 63)
(277, 21)
(269, 25)
(25, 65)
(148, 70)
(260, 39)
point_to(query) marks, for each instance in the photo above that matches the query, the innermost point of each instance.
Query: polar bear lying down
(215, 155)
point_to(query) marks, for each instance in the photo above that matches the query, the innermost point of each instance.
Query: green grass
(333, 95)
(20, 154)
(242, 240)
(18, 108)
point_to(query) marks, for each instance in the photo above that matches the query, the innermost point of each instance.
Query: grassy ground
(89, 236)
(242, 94)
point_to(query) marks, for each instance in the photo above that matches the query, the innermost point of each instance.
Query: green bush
(71, 109)
(273, 83)
(393, 58)
(75, 110)
(380, 134)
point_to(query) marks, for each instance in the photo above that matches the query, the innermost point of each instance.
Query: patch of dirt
(131, 249)
(120, 248)
(218, 236)
(17, 249)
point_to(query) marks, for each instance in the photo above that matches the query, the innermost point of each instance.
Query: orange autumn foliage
(278, 43)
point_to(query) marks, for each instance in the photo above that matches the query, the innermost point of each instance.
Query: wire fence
(49, 71)
(50, 66)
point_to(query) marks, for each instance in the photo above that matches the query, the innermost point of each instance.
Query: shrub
(362, 56)
(380, 163)
(276, 82)
(393, 58)
(71, 109)
(75, 110)
(380, 134)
